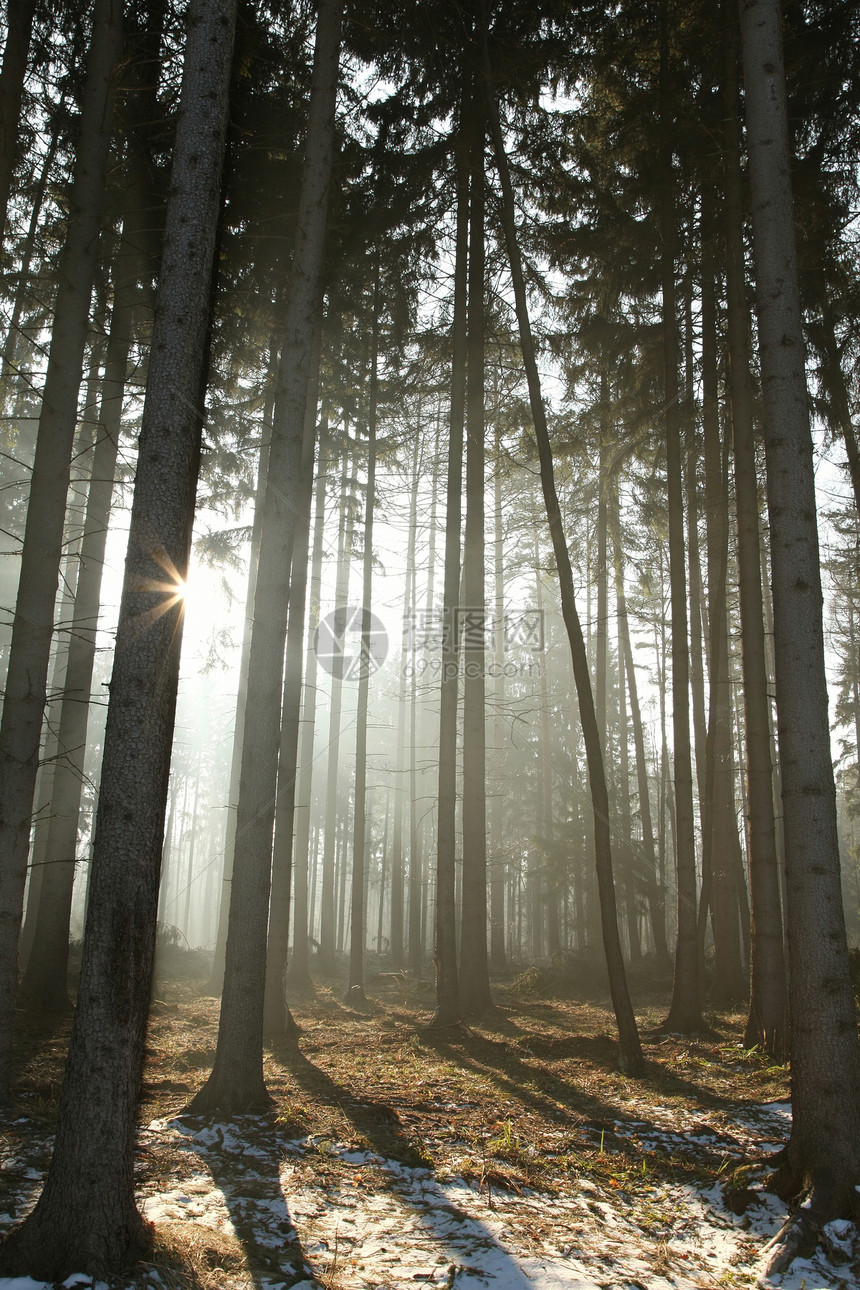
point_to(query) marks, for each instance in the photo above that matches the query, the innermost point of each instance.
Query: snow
(334, 1213)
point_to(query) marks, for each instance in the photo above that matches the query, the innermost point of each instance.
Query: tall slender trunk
(447, 1010)
(729, 984)
(497, 847)
(823, 1156)
(474, 960)
(358, 912)
(216, 979)
(236, 1082)
(86, 1215)
(407, 657)
(277, 1020)
(32, 630)
(298, 974)
(768, 1018)
(630, 1048)
(328, 893)
(653, 888)
(46, 973)
(685, 1012)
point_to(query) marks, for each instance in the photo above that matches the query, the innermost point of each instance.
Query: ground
(510, 1154)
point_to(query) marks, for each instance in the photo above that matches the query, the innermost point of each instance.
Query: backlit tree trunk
(630, 1047)
(823, 1157)
(86, 1216)
(32, 629)
(236, 1082)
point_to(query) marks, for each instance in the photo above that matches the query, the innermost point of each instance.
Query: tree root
(798, 1234)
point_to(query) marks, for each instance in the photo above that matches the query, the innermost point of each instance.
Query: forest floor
(509, 1154)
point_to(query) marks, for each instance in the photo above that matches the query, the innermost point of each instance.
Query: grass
(529, 1097)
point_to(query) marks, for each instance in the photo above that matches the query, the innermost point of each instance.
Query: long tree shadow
(243, 1158)
(408, 1174)
(628, 1131)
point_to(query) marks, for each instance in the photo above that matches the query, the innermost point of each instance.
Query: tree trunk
(656, 906)
(86, 1215)
(328, 894)
(823, 1156)
(216, 979)
(298, 974)
(685, 1012)
(236, 1081)
(19, 29)
(475, 995)
(497, 846)
(729, 984)
(447, 1010)
(45, 979)
(32, 629)
(277, 1020)
(630, 1048)
(355, 987)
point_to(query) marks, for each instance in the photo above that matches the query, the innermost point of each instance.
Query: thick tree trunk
(630, 1047)
(19, 29)
(823, 1157)
(236, 1082)
(32, 629)
(86, 1216)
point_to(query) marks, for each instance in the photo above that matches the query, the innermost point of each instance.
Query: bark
(32, 628)
(497, 848)
(216, 980)
(445, 935)
(729, 984)
(397, 875)
(355, 988)
(654, 892)
(45, 979)
(685, 1013)
(823, 1155)
(474, 959)
(298, 974)
(630, 1048)
(277, 1020)
(9, 364)
(236, 1082)
(19, 29)
(328, 893)
(86, 1215)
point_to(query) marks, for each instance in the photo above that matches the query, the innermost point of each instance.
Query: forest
(430, 642)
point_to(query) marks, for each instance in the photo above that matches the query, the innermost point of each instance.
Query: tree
(236, 1081)
(767, 1023)
(631, 1049)
(19, 29)
(86, 1215)
(32, 631)
(822, 1160)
